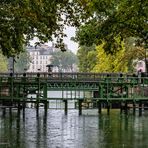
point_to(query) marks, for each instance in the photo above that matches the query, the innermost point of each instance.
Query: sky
(70, 31)
(73, 46)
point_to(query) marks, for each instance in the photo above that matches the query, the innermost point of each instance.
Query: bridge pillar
(140, 108)
(125, 108)
(99, 107)
(19, 107)
(66, 107)
(46, 106)
(4, 112)
(37, 107)
(10, 111)
(134, 108)
(80, 107)
(121, 107)
(24, 106)
(108, 108)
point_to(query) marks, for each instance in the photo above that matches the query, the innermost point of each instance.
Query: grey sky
(70, 31)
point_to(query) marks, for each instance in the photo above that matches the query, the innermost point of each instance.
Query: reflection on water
(56, 130)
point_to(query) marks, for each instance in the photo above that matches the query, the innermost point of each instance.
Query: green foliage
(133, 53)
(109, 19)
(3, 63)
(22, 62)
(21, 20)
(87, 58)
(65, 61)
(86, 35)
(123, 59)
(111, 62)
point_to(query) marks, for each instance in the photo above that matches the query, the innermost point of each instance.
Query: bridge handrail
(75, 76)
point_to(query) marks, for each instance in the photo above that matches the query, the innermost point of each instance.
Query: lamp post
(50, 68)
(11, 64)
(13, 60)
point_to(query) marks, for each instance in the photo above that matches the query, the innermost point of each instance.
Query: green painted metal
(109, 88)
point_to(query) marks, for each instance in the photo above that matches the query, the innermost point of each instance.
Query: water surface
(56, 130)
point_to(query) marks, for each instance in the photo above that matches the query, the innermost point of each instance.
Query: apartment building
(40, 58)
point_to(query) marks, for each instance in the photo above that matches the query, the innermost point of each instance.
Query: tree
(22, 62)
(111, 62)
(96, 59)
(3, 63)
(65, 61)
(22, 20)
(112, 18)
(87, 58)
(133, 53)
(109, 20)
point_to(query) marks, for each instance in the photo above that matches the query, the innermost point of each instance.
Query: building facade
(40, 57)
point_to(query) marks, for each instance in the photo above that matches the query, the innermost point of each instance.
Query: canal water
(57, 130)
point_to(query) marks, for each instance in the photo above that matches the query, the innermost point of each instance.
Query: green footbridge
(102, 87)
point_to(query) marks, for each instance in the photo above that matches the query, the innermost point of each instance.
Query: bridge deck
(103, 86)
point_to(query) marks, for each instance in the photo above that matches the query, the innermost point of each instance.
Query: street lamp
(50, 68)
(11, 64)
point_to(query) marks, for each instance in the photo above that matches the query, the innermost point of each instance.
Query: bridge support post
(134, 108)
(126, 109)
(18, 110)
(24, 106)
(140, 108)
(10, 111)
(46, 103)
(19, 107)
(66, 107)
(4, 112)
(108, 108)
(99, 107)
(46, 107)
(80, 107)
(121, 107)
(37, 107)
